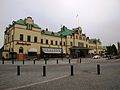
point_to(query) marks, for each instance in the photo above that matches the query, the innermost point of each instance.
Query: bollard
(2, 61)
(23, 62)
(45, 61)
(80, 60)
(34, 61)
(12, 61)
(72, 70)
(69, 61)
(44, 71)
(57, 61)
(98, 69)
(18, 70)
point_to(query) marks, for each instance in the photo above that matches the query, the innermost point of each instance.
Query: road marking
(28, 85)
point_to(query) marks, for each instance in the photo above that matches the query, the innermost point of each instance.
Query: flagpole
(77, 19)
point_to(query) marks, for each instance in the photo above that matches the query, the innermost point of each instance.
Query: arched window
(21, 50)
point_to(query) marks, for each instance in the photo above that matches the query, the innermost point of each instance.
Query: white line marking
(36, 83)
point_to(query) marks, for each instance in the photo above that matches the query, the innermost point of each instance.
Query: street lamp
(61, 43)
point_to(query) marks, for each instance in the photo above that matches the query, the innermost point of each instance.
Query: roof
(49, 33)
(22, 22)
(65, 31)
(95, 41)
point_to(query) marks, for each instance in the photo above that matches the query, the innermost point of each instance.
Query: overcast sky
(98, 18)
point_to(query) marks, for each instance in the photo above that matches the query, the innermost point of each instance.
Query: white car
(96, 57)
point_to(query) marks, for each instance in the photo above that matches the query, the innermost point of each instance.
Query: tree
(111, 50)
(114, 49)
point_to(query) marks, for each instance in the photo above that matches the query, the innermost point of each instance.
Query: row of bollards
(34, 61)
(71, 69)
(44, 71)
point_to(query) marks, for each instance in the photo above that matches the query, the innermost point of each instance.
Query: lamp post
(61, 43)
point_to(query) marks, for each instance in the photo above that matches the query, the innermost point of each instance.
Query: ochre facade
(27, 38)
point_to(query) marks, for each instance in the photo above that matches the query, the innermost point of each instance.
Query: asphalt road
(59, 77)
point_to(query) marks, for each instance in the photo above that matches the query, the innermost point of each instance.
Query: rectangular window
(64, 43)
(86, 45)
(71, 43)
(80, 44)
(41, 41)
(51, 42)
(56, 43)
(76, 37)
(21, 37)
(8, 37)
(35, 39)
(80, 37)
(46, 41)
(29, 27)
(60, 43)
(12, 37)
(28, 38)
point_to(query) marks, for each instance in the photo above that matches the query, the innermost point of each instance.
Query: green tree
(111, 50)
(114, 49)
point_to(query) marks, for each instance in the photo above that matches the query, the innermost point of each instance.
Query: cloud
(98, 18)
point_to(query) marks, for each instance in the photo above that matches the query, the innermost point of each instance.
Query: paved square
(58, 76)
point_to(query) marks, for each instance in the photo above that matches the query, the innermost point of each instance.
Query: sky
(98, 18)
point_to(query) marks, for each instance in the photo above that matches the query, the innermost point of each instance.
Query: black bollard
(98, 69)
(80, 60)
(18, 70)
(23, 62)
(12, 61)
(44, 71)
(34, 61)
(45, 61)
(2, 60)
(72, 73)
(69, 61)
(57, 61)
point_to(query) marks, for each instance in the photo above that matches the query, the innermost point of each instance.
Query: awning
(79, 48)
(32, 50)
(51, 50)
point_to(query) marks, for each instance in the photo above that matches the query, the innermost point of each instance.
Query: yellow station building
(28, 40)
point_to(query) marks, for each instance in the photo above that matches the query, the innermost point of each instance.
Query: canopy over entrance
(52, 50)
(78, 51)
(79, 48)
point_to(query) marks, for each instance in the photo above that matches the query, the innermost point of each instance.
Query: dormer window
(29, 26)
(29, 22)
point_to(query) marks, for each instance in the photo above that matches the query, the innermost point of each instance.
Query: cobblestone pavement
(64, 61)
(85, 80)
(58, 76)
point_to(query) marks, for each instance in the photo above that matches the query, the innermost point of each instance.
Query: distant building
(28, 40)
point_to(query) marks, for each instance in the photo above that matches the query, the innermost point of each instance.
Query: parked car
(96, 57)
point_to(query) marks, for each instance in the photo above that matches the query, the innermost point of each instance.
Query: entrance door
(21, 56)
